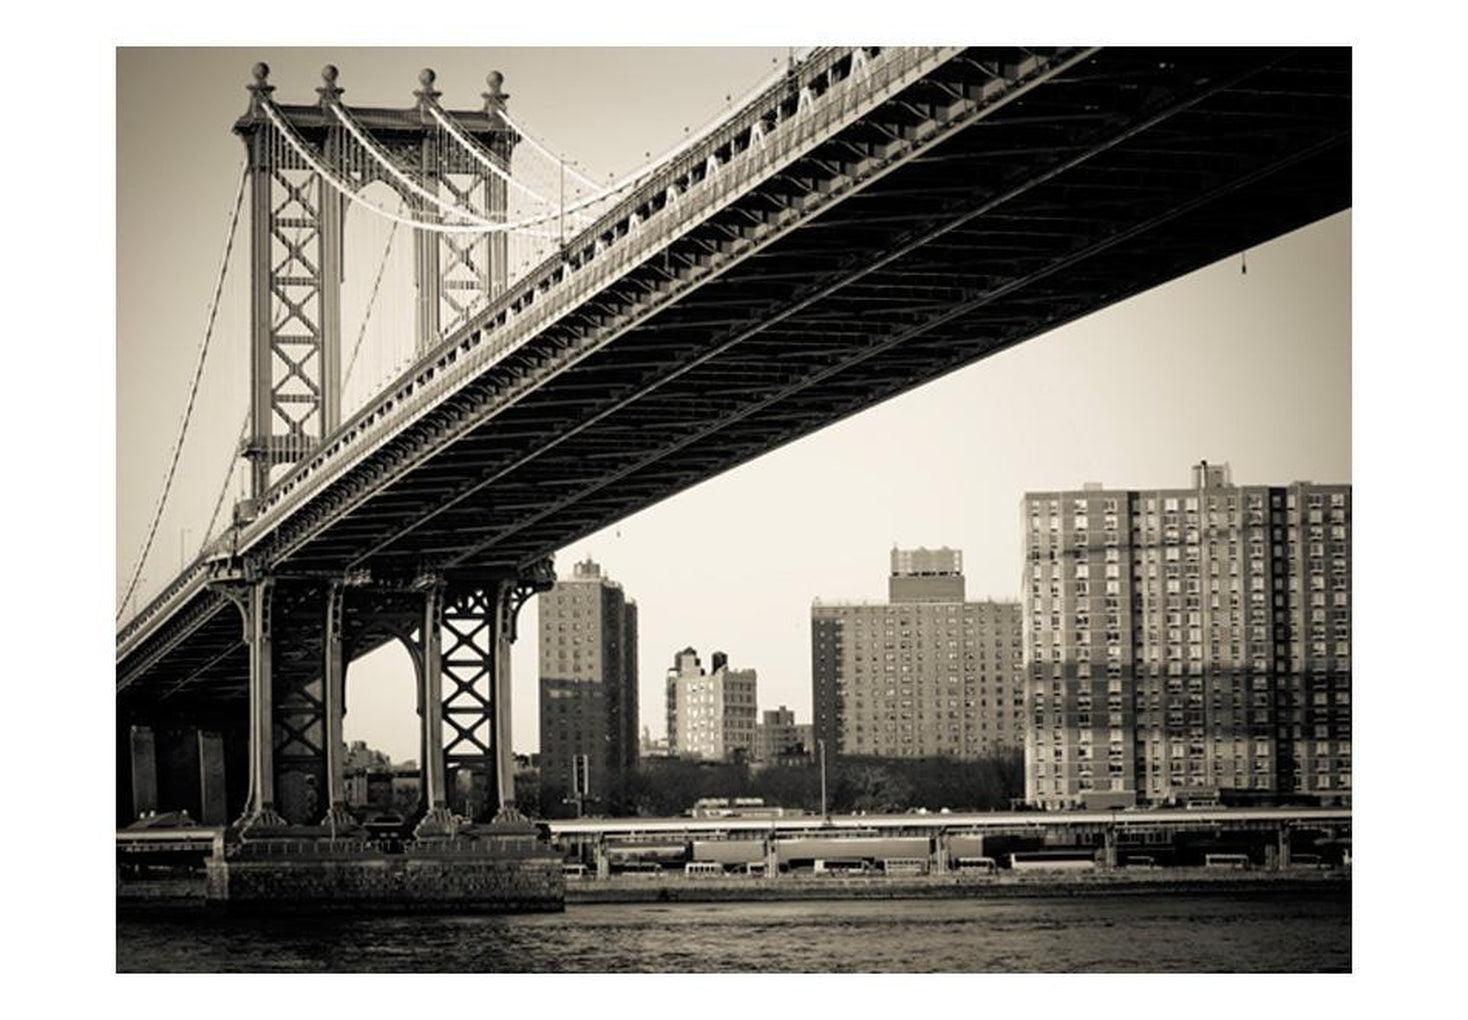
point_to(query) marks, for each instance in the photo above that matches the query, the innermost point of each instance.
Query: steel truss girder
(766, 318)
(717, 261)
(651, 479)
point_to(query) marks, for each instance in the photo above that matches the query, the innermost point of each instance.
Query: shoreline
(1171, 881)
(187, 895)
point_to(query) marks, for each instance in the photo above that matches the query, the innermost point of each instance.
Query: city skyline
(736, 561)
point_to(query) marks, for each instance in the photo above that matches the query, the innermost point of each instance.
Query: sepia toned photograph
(826, 509)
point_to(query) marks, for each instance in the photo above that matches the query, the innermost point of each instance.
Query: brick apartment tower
(588, 685)
(1187, 644)
(924, 674)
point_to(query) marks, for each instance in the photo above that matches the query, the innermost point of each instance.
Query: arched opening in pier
(382, 733)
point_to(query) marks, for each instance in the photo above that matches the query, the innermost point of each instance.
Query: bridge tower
(305, 165)
(297, 217)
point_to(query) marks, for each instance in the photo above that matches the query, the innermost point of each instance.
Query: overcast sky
(1251, 369)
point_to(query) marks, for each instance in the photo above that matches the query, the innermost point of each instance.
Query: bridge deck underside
(1127, 170)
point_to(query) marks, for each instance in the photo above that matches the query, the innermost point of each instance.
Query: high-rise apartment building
(778, 736)
(710, 714)
(924, 674)
(1188, 643)
(588, 685)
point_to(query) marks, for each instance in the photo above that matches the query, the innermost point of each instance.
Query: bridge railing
(606, 250)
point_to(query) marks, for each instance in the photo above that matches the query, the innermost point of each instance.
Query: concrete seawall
(494, 870)
(445, 887)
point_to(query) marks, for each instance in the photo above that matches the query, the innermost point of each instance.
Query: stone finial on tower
(260, 88)
(329, 90)
(494, 99)
(426, 78)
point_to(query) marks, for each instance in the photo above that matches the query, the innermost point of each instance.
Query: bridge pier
(297, 703)
(296, 841)
(139, 783)
(190, 772)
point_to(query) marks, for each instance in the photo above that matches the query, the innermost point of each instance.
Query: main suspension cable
(234, 218)
(478, 226)
(645, 171)
(224, 489)
(483, 158)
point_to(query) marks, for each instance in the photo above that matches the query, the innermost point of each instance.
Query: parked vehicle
(904, 866)
(1237, 862)
(982, 865)
(645, 869)
(1053, 860)
(842, 866)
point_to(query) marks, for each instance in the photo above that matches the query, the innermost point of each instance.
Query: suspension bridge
(459, 353)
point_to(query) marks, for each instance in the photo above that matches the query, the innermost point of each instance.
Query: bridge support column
(213, 788)
(504, 751)
(512, 595)
(141, 780)
(438, 820)
(190, 772)
(338, 820)
(260, 816)
(940, 854)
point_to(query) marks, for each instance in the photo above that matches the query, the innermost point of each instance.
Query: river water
(1216, 932)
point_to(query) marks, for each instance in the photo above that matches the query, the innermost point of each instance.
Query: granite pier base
(481, 871)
